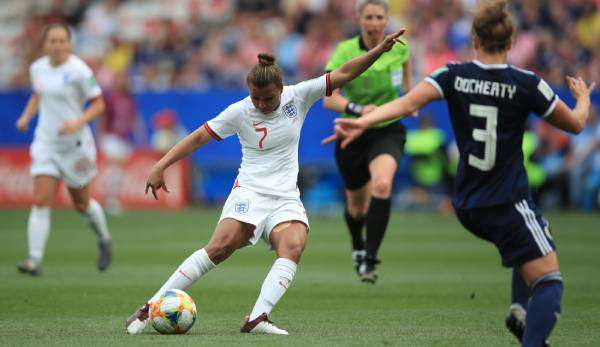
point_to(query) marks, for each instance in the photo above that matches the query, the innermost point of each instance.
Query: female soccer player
(63, 146)
(368, 165)
(489, 102)
(264, 202)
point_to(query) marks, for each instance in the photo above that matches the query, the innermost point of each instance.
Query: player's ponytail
(265, 72)
(494, 26)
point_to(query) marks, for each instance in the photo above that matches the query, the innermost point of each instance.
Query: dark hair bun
(496, 12)
(266, 59)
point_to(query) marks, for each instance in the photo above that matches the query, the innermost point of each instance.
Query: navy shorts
(518, 230)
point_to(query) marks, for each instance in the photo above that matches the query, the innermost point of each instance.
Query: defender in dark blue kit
(489, 102)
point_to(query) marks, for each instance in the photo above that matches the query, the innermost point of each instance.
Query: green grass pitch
(438, 285)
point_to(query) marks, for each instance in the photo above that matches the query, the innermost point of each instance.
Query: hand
(346, 130)
(367, 109)
(70, 127)
(22, 124)
(579, 88)
(390, 40)
(156, 181)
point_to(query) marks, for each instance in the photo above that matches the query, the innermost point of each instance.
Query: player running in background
(63, 146)
(264, 202)
(489, 102)
(369, 164)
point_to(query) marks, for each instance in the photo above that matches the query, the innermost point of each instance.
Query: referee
(369, 164)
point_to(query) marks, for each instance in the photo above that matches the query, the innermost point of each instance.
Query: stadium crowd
(197, 45)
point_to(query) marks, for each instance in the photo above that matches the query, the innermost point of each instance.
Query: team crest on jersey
(289, 110)
(242, 207)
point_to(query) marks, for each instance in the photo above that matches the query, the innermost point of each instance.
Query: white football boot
(261, 325)
(137, 322)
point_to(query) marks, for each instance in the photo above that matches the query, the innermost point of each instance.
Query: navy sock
(355, 226)
(520, 291)
(543, 310)
(377, 221)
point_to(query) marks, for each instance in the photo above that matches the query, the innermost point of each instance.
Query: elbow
(327, 102)
(577, 128)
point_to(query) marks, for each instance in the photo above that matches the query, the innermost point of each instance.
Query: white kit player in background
(264, 202)
(63, 146)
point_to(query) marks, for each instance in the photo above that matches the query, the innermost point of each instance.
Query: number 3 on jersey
(487, 136)
(262, 139)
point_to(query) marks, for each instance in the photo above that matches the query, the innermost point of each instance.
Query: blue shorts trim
(518, 230)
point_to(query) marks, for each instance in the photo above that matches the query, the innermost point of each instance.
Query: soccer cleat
(30, 266)
(136, 323)
(358, 258)
(368, 270)
(261, 325)
(104, 254)
(515, 322)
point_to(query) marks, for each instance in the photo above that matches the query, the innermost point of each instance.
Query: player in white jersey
(63, 146)
(264, 202)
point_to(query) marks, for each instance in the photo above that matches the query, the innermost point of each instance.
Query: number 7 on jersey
(265, 132)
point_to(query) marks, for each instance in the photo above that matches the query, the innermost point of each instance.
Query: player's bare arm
(348, 129)
(31, 109)
(181, 150)
(358, 65)
(95, 110)
(573, 120)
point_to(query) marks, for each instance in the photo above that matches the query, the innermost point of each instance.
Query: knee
(81, 206)
(382, 187)
(357, 210)
(219, 250)
(293, 246)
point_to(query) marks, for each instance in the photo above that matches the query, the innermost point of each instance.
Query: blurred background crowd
(207, 45)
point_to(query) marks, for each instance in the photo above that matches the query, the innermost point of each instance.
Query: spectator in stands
(119, 129)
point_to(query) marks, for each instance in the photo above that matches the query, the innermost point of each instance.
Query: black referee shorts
(353, 161)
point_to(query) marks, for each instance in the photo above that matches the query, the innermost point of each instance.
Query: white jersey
(270, 142)
(63, 91)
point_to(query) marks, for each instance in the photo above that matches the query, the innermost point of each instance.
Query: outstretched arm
(181, 150)
(353, 68)
(574, 120)
(348, 129)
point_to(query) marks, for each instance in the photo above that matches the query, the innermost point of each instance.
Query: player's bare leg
(229, 236)
(94, 213)
(38, 224)
(289, 241)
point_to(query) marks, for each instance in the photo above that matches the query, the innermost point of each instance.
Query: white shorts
(263, 211)
(75, 166)
(114, 147)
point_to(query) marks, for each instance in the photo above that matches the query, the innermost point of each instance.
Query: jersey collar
(489, 66)
(361, 44)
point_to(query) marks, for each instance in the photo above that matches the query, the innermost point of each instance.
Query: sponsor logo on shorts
(289, 110)
(242, 207)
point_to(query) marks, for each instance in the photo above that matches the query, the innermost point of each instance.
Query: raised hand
(156, 181)
(390, 40)
(579, 88)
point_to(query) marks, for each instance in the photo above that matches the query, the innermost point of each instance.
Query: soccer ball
(173, 313)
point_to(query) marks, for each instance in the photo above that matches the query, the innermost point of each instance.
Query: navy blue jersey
(489, 105)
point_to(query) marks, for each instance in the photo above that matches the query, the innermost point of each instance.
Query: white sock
(38, 228)
(188, 272)
(97, 220)
(275, 285)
